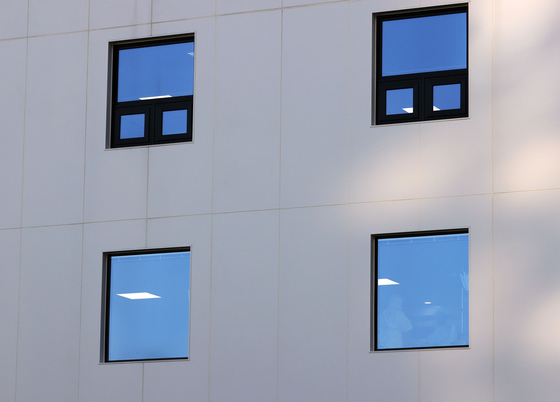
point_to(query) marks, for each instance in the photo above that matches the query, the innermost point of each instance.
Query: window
(146, 312)
(152, 92)
(421, 60)
(420, 290)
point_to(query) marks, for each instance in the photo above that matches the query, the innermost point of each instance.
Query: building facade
(277, 196)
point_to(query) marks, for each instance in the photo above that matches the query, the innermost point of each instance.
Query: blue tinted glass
(164, 70)
(423, 44)
(423, 292)
(149, 306)
(400, 101)
(174, 122)
(447, 97)
(132, 126)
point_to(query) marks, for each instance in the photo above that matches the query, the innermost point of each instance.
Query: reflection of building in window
(147, 305)
(421, 69)
(421, 294)
(152, 92)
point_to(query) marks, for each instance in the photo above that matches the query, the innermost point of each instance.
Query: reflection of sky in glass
(447, 97)
(174, 122)
(423, 44)
(156, 71)
(132, 126)
(430, 304)
(399, 101)
(156, 328)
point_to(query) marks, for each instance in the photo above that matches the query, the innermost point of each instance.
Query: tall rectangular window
(421, 65)
(147, 300)
(152, 92)
(420, 290)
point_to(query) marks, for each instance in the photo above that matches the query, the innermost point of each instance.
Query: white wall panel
(168, 10)
(382, 6)
(180, 179)
(185, 380)
(237, 6)
(315, 74)
(527, 296)
(118, 13)
(384, 163)
(247, 139)
(244, 340)
(361, 63)
(57, 16)
(49, 314)
(313, 304)
(292, 3)
(9, 298)
(175, 381)
(526, 118)
(455, 158)
(105, 382)
(12, 107)
(55, 130)
(115, 180)
(13, 19)
(434, 3)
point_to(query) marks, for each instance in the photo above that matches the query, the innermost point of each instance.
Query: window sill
(410, 123)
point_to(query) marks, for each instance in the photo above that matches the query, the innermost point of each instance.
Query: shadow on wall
(526, 87)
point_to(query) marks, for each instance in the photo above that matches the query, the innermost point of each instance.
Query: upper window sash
(155, 71)
(424, 44)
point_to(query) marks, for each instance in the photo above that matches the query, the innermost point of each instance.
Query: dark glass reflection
(149, 306)
(423, 292)
(447, 97)
(174, 122)
(132, 126)
(163, 70)
(424, 44)
(400, 101)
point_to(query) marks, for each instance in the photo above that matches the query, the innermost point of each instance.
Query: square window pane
(422, 291)
(132, 126)
(148, 306)
(174, 122)
(424, 44)
(155, 71)
(447, 97)
(400, 101)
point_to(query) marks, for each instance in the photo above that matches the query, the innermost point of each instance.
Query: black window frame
(153, 108)
(423, 82)
(374, 283)
(105, 300)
